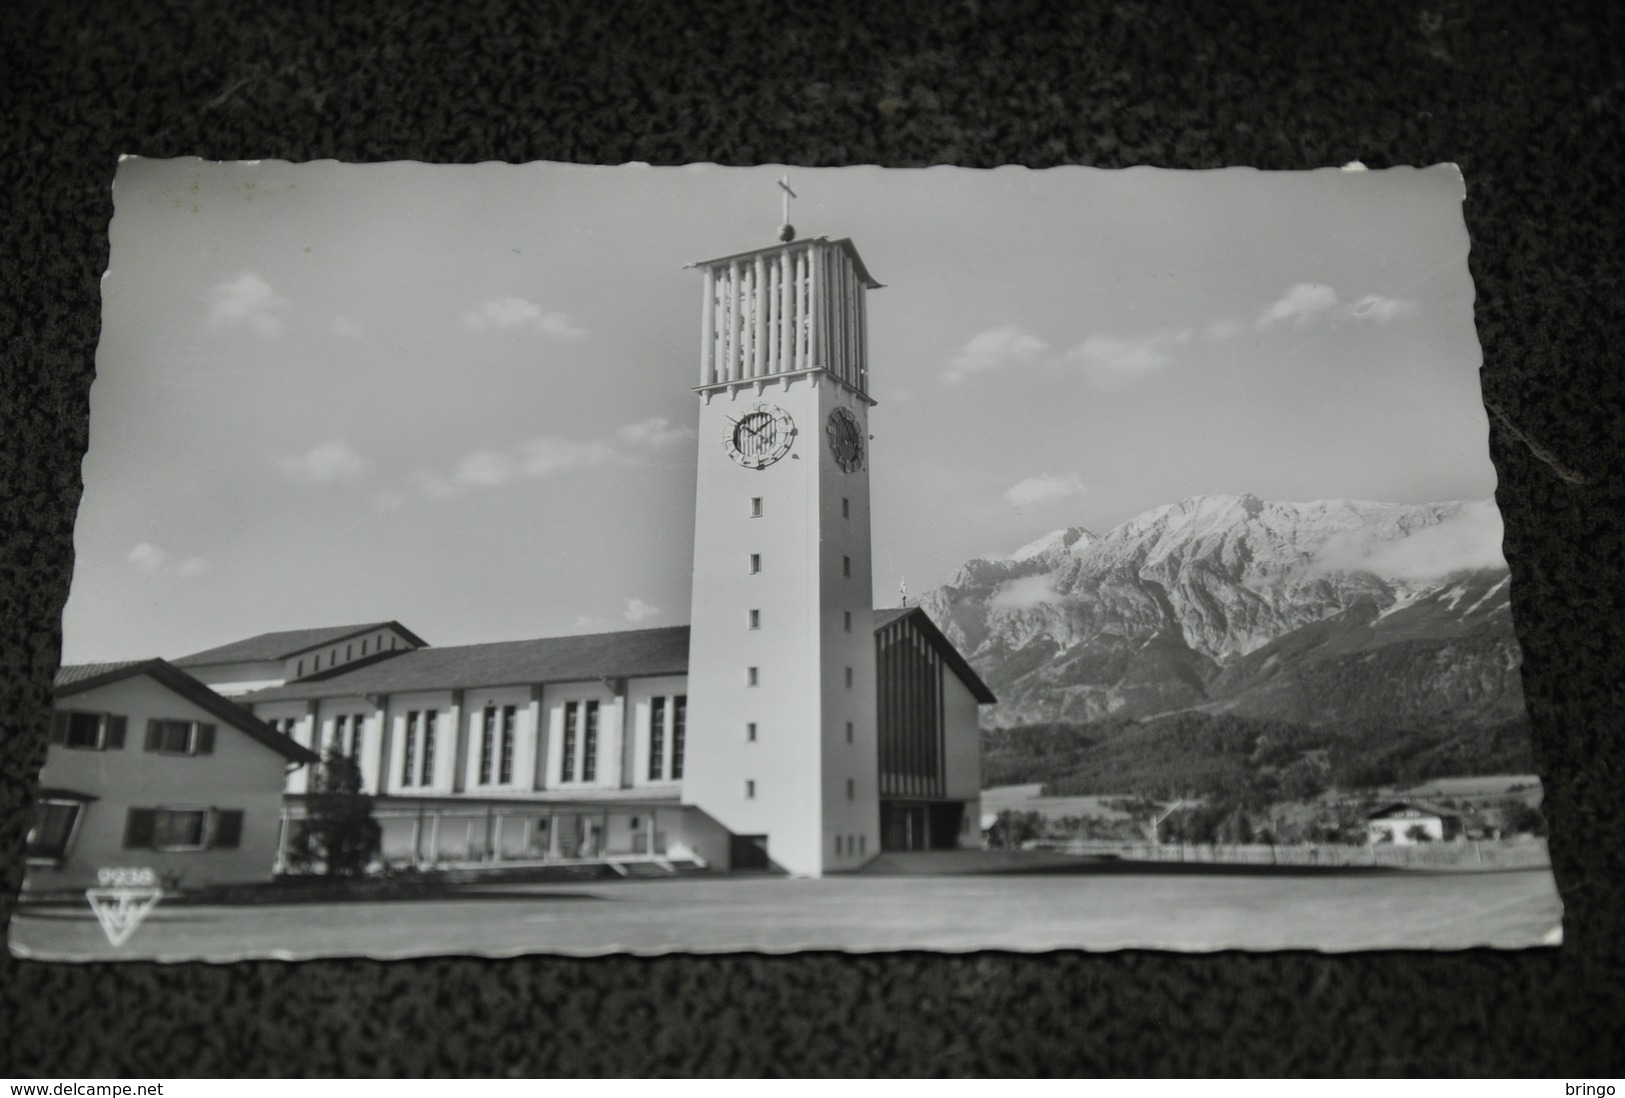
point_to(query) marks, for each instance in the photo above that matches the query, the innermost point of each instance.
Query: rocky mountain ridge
(1312, 612)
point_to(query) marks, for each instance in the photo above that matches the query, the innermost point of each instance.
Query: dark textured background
(1527, 98)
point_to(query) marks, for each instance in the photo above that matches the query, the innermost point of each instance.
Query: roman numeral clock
(782, 650)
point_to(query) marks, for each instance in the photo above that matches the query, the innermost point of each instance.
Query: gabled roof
(624, 654)
(504, 663)
(845, 244)
(76, 679)
(1429, 807)
(945, 647)
(289, 643)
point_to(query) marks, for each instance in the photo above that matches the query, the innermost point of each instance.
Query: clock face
(846, 439)
(760, 437)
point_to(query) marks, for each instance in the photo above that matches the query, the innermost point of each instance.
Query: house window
(846, 508)
(679, 733)
(505, 760)
(357, 735)
(750, 731)
(488, 735)
(589, 744)
(657, 739)
(426, 777)
(755, 506)
(55, 821)
(183, 828)
(316, 735)
(846, 566)
(170, 737)
(363, 648)
(567, 763)
(751, 677)
(348, 650)
(88, 731)
(755, 563)
(318, 663)
(409, 750)
(755, 619)
(750, 790)
(838, 850)
(333, 658)
(863, 843)
(299, 671)
(847, 620)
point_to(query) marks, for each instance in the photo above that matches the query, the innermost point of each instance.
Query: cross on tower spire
(787, 231)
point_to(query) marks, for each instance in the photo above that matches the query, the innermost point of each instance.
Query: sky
(459, 396)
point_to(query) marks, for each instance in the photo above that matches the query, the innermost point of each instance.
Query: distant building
(1407, 822)
(271, 659)
(148, 768)
(577, 748)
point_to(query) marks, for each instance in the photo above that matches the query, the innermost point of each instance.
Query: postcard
(500, 559)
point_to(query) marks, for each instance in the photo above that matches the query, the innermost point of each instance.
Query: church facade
(791, 726)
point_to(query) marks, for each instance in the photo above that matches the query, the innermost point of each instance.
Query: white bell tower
(781, 680)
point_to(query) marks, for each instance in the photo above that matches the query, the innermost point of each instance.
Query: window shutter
(154, 726)
(205, 740)
(138, 828)
(115, 732)
(59, 727)
(228, 828)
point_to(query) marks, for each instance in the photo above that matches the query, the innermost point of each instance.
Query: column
(381, 783)
(708, 329)
(459, 742)
(730, 347)
(786, 313)
(815, 306)
(538, 739)
(758, 300)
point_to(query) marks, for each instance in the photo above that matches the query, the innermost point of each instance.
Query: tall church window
(679, 731)
(505, 760)
(657, 739)
(409, 750)
(589, 744)
(488, 735)
(567, 761)
(426, 777)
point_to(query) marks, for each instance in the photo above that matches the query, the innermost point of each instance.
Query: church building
(791, 726)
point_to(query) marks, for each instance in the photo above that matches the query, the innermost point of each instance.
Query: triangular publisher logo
(120, 910)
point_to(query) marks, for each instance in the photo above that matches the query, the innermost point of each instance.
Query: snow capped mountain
(1164, 611)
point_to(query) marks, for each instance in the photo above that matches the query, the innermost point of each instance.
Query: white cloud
(516, 312)
(653, 432)
(1299, 306)
(390, 500)
(1221, 330)
(1111, 361)
(191, 566)
(546, 456)
(1470, 539)
(638, 610)
(325, 463)
(247, 300)
(344, 326)
(995, 348)
(1381, 309)
(147, 556)
(1043, 488)
(485, 469)
(1024, 593)
(154, 559)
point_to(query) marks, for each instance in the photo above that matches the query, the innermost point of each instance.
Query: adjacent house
(1407, 822)
(150, 769)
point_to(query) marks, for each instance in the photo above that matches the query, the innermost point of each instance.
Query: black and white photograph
(557, 559)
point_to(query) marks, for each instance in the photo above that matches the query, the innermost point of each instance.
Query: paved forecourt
(697, 915)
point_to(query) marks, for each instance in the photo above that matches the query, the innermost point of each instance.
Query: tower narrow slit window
(750, 731)
(847, 620)
(755, 506)
(846, 567)
(750, 789)
(755, 563)
(751, 676)
(846, 508)
(755, 619)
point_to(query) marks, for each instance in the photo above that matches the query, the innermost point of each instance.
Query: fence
(1467, 854)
